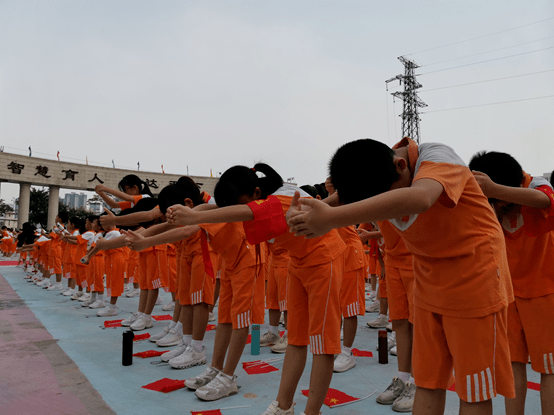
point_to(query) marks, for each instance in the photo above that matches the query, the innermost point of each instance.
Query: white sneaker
(391, 340)
(132, 294)
(143, 322)
(389, 327)
(98, 304)
(269, 339)
(343, 362)
(159, 335)
(69, 292)
(171, 339)
(189, 358)
(281, 345)
(159, 300)
(379, 322)
(282, 319)
(374, 307)
(390, 394)
(211, 317)
(130, 320)
(218, 388)
(178, 351)
(274, 409)
(405, 402)
(108, 311)
(84, 297)
(169, 306)
(87, 302)
(76, 295)
(55, 287)
(394, 351)
(202, 379)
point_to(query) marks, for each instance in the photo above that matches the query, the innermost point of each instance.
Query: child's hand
(100, 188)
(135, 241)
(85, 260)
(484, 181)
(107, 221)
(180, 215)
(308, 217)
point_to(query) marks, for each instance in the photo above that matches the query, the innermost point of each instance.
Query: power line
(488, 51)
(488, 80)
(489, 60)
(492, 103)
(480, 37)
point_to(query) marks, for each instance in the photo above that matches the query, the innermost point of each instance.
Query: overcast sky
(210, 84)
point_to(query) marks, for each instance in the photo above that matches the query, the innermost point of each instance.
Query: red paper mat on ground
(8, 263)
(361, 353)
(165, 385)
(112, 323)
(210, 412)
(149, 353)
(162, 318)
(334, 397)
(256, 367)
(139, 337)
(210, 327)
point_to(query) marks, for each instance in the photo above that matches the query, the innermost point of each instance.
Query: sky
(201, 86)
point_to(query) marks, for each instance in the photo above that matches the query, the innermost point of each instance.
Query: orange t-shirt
(460, 262)
(270, 214)
(354, 254)
(396, 253)
(530, 244)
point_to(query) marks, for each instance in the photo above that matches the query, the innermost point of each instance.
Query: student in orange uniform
(462, 282)
(55, 253)
(83, 243)
(131, 190)
(525, 209)
(315, 270)
(68, 257)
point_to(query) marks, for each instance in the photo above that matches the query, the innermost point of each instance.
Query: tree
(80, 212)
(38, 207)
(4, 208)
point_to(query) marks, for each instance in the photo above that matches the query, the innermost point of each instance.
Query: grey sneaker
(218, 388)
(130, 320)
(202, 379)
(281, 345)
(159, 335)
(374, 307)
(379, 322)
(274, 409)
(189, 358)
(390, 394)
(405, 402)
(172, 338)
(269, 339)
(343, 362)
(179, 350)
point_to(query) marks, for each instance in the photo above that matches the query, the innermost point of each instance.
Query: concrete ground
(56, 358)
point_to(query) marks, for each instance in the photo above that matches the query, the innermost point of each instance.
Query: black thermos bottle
(383, 347)
(128, 337)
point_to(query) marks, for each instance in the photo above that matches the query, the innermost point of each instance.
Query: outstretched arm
(518, 195)
(120, 195)
(139, 242)
(129, 220)
(182, 215)
(321, 218)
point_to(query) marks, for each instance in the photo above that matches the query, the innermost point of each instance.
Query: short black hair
(76, 221)
(502, 168)
(362, 169)
(64, 216)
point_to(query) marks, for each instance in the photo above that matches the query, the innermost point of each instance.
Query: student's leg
(113, 300)
(350, 326)
(274, 317)
(151, 301)
(547, 394)
(320, 379)
(429, 401)
(143, 299)
(237, 342)
(221, 344)
(476, 408)
(293, 367)
(517, 405)
(404, 340)
(200, 321)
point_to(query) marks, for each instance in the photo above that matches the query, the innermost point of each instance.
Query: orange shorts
(531, 332)
(383, 293)
(314, 303)
(89, 276)
(80, 274)
(400, 285)
(67, 270)
(55, 262)
(276, 295)
(115, 274)
(372, 265)
(195, 285)
(172, 273)
(153, 271)
(99, 271)
(241, 298)
(352, 293)
(132, 267)
(475, 348)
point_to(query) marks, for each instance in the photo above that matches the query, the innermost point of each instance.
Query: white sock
(227, 376)
(100, 297)
(348, 350)
(404, 376)
(274, 329)
(178, 328)
(197, 344)
(172, 324)
(411, 380)
(94, 295)
(187, 339)
(373, 292)
(382, 315)
(286, 331)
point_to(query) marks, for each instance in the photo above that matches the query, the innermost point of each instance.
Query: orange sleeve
(539, 221)
(452, 177)
(268, 223)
